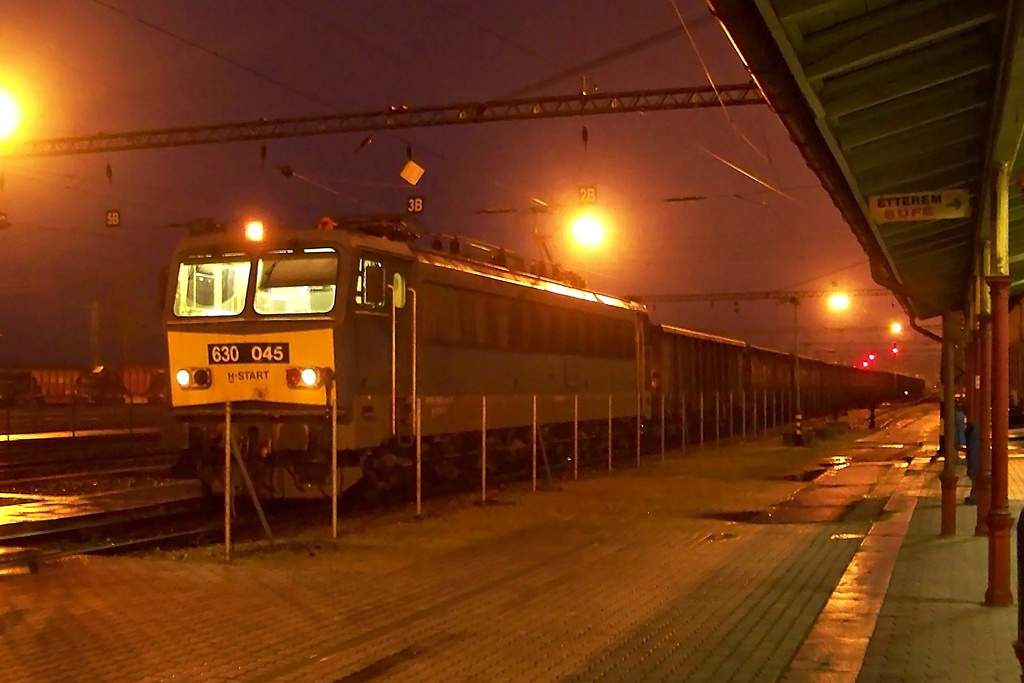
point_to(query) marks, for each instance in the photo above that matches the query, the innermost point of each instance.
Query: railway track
(177, 512)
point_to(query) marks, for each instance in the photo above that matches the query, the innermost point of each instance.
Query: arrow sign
(920, 206)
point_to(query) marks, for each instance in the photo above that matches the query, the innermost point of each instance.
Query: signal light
(895, 350)
(864, 364)
(871, 356)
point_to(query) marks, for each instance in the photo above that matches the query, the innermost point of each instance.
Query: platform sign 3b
(920, 206)
(113, 218)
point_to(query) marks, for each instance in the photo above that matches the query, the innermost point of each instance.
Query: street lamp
(896, 328)
(10, 115)
(839, 301)
(588, 230)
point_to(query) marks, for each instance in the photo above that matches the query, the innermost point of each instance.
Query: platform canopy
(921, 99)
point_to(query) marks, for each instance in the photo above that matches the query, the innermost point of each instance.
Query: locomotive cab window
(371, 285)
(294, 282)
(211, 286)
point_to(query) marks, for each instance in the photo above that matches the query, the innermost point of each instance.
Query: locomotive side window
(208, 286)
(296, 282)
(371, 285)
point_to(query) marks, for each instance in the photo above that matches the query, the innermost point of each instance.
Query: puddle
(835, 462)
(745, 516)
(807, 475)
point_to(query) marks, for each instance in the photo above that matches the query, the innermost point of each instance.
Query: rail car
(267, 332)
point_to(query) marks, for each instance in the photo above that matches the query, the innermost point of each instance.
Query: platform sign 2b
(920, 206)
(113, 218)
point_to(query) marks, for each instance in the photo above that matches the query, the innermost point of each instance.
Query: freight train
(272, 326)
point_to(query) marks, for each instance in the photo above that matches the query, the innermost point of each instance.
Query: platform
(632, 577)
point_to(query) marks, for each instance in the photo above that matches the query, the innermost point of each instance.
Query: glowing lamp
(254, 231)
(10, 115)
(896, 328)
(839, 302)
(588, 231)
(309, 376)
(182, 377)
(864, 364)
(871, 356)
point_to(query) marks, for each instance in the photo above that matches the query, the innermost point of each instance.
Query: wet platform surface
(21, 513)
(621, 578)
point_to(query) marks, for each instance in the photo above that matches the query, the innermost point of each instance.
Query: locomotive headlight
(201, 378)
(196, 378)
(303, 378)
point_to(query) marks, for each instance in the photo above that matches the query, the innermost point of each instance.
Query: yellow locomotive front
(252, 323)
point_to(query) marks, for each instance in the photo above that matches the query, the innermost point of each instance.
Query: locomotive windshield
(211, 286)
(296, 281)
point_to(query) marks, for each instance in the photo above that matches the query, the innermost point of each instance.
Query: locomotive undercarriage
(450, 462)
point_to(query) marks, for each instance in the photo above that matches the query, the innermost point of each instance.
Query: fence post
(333, 397)
(753, 421)
(718, 417)
(662, 425)
(732, 413)
(682, 400)
(419, 458)
(702, 419)
(764, 409)
(533, 433)
(743, 410)
(609, 433)
(483, 450)
(575, 437)
(227, 481)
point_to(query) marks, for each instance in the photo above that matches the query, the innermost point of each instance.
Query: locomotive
(281, 326)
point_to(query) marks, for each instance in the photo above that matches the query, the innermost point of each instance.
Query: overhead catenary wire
(711, 80)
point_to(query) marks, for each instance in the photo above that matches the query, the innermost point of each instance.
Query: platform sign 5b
(920, 206)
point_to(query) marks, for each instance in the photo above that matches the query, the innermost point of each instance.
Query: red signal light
(895, 350)
(871, 356)
(864, 364)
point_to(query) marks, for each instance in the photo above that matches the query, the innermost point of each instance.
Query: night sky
(80, 67)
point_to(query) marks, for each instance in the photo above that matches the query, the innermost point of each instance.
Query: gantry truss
(396, 117)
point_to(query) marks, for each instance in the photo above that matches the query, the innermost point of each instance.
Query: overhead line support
(396, 117)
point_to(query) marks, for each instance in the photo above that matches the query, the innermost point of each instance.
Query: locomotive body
(274, 327)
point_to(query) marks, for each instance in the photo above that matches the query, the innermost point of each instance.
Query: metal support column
(949, 447)
(999, 519)
(983, 481)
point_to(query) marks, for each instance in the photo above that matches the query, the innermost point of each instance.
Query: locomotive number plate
(247, 352)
